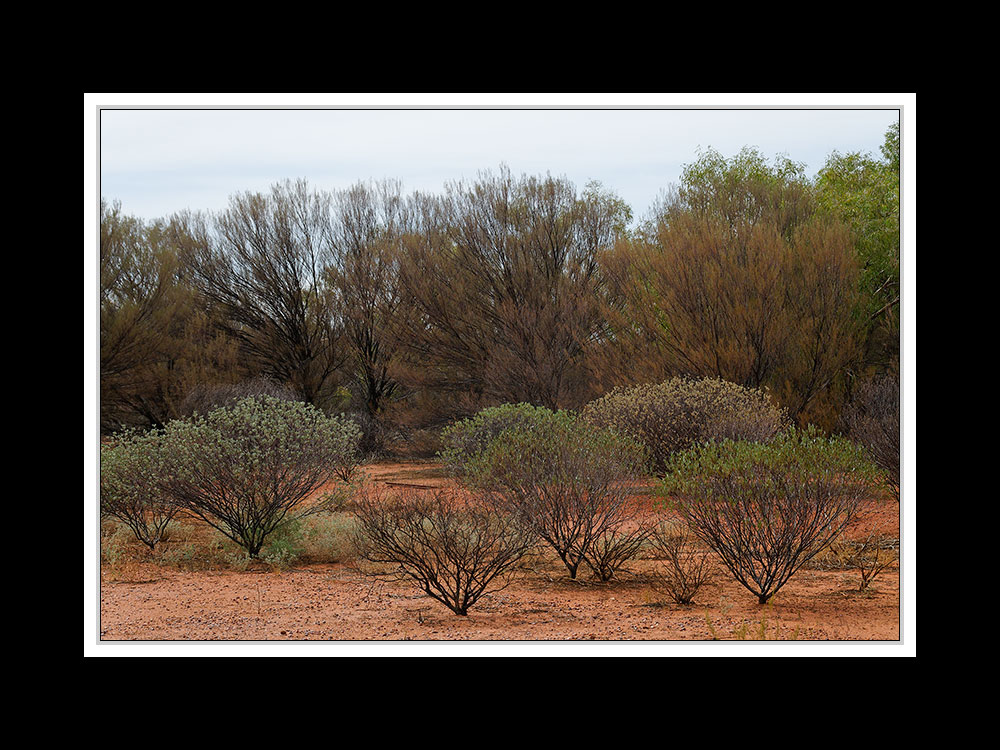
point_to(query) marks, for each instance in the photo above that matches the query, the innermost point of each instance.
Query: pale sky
(159, 161)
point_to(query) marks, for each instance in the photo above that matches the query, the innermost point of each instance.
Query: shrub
(247, 468)
(454, 550)
(467, 439)
(872, 555)
(674, 415)
(614, 547)
(686, 570)
(768, 509)
(567, 479)
(872, 419)
(129, 488)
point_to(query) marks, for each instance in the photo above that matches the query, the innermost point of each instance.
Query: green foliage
(130, 491)
(246, 468)
(466, 439)
(806, 455)
(745, 189)
(768, 509)
(568, 479)
(674, 415)
(517, 446)
(864, 192)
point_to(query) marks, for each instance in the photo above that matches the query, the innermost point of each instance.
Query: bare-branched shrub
(873, 554)
(567, 479)
(456, 550)
(247, 468)
(614, 547)
(674, 415)
(686, 569)
(768, 509)
(129, 489)
(205, 398)
(872, 419)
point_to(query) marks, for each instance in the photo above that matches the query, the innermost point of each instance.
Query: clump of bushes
(673, 415)
(765, 510)
(567, 479)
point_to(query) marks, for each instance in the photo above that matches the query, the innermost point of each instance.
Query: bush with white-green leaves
(130, 492)
(247, 468)
(673, 415)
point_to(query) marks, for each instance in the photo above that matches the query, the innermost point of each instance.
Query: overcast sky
(158, 161)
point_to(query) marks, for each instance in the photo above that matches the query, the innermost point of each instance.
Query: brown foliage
(761, 299)
(872, 419)
(504, 279)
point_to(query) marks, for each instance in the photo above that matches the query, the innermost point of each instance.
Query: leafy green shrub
(768, 509)
(674, 415)
(129, 488)
(466, 439)
(567, 479)
(247, 468)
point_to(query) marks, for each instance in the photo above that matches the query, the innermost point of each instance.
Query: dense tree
(864, 192)
(412, 310)
(737, 277)
(504, 280)
(260, 268)
(368, 223)
(139, 306)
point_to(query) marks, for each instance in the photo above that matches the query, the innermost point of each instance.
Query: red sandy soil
(335, 602)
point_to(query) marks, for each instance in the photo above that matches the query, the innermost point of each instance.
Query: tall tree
(737, 277)
(864, 191)
(138, 307)
(369, 221)
(260, 269)
(504, 279)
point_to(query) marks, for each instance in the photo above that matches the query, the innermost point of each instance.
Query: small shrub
(565, 478)
(765, 510)
(248, 468)
(674, 415)
(871, 555)
(328, 538)
(130, 492)
(686, 569)
(614, 547)
(455, 551)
